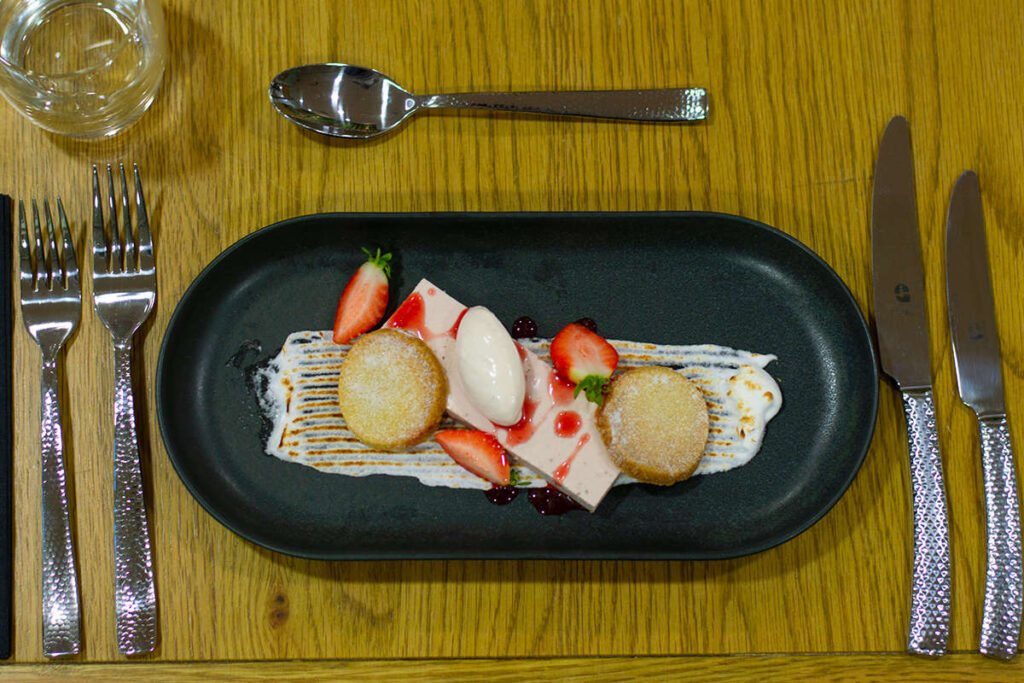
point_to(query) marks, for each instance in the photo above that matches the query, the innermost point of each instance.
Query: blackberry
(524, 327)
(588, 323)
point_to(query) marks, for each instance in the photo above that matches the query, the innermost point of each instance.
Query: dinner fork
(124, 289)
(51, 306)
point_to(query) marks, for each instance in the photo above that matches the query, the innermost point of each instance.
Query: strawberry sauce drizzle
(411, 316)
(560, 389)
(562, 471)
(561, 393)
(521, 431)
(454, 330)
(567, 423)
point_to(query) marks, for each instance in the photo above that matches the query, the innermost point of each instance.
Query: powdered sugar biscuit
(654, 422)
(392, 390)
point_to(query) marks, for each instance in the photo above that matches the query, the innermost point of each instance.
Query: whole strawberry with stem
(365, 298)
(585, 358)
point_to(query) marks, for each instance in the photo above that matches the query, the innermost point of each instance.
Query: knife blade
(972, 325)
(901, 319)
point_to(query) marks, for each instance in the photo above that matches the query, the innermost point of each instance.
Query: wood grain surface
(710, 669)
(800, 93)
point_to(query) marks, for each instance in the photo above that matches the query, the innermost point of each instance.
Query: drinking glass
(82, 68)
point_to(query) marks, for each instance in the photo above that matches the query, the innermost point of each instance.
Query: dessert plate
(676, 278)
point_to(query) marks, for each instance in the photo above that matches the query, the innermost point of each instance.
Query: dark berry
(588, 323)
(501, 495)
(524, 327)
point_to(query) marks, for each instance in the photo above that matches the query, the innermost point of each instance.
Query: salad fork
(124, 290)
(51, 306)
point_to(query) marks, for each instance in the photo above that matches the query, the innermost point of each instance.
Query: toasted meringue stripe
(298, 390)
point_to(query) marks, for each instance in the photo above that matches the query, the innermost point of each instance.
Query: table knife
(901, 318)
(972, 325)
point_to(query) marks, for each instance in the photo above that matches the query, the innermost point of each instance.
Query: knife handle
(1000, 622)
(930, 592)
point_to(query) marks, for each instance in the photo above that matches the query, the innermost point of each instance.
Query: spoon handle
(679, 104)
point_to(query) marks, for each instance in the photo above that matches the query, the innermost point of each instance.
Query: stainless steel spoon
(353, 102)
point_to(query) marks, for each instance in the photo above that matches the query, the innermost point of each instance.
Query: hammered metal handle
(61, 617)
(930, 592)
(680, 104)
(133, 563)
(1000, 622)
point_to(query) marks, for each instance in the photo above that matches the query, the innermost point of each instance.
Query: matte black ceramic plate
(678, 278)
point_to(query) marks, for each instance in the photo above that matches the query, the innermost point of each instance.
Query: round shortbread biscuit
(392, 390)
(654, 422)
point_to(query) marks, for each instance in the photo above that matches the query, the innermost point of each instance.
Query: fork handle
(133, 563)
(61, 617)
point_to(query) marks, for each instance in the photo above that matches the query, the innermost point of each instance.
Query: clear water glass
(82, 68)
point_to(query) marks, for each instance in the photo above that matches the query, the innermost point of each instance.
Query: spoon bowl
(341, 100)
(355, 102)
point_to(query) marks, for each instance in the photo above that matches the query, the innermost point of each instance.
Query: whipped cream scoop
(490, 366)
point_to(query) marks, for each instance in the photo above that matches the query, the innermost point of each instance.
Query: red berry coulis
(567, 423)
(411, 316)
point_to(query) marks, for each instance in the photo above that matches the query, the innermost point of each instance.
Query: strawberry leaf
(380, 260)
(594, 387)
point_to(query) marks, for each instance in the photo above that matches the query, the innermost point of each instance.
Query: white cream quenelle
(490, 366)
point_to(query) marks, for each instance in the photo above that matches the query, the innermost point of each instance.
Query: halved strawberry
(584, 358)
(479, 452)
(364, 300)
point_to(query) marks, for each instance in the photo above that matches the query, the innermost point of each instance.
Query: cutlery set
(124, 292)
(902, 322)
(124, 289)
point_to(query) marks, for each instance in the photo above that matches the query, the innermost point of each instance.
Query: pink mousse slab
(557, 437)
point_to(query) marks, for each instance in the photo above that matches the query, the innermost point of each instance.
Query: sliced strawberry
(364, 300)
(479, 452)
(584, 358)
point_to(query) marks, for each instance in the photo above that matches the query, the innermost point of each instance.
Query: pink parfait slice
(557, 435)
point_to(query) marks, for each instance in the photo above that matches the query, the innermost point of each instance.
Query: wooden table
(800, 93)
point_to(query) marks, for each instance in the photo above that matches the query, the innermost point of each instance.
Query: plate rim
(863, 328)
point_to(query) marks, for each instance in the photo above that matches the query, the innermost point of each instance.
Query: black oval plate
(679, 278)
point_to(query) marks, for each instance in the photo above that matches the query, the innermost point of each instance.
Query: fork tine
(99, 235)
(126, 217)
(142, 219)
(115, 239)
(27, 275)
(42, 258)
(70, 262)
(53, 256)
